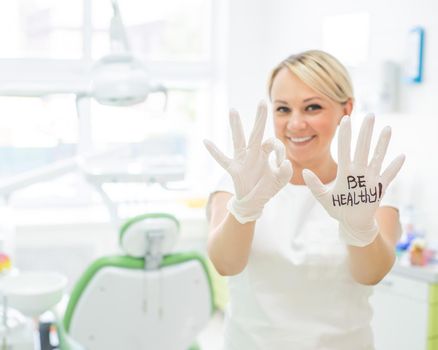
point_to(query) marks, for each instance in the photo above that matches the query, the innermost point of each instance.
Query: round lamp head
(119, 80)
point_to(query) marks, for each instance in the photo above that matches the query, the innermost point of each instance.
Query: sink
(33, 292)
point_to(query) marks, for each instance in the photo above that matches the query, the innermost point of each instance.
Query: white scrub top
(296, 291)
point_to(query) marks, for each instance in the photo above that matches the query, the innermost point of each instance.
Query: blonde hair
(319, 70)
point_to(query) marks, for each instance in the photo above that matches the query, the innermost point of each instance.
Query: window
(49, 49)
(41, 29)
(36, 131)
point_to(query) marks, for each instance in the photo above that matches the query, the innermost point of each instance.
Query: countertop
(428, 273)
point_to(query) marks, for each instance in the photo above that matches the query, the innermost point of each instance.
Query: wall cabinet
(405, 313)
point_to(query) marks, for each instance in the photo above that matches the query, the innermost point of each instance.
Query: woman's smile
(300, 141)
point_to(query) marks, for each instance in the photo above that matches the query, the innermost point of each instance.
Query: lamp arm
(51, 171)
(160, 88)
(118, 29)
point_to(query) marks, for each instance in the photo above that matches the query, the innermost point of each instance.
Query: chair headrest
(133, 237)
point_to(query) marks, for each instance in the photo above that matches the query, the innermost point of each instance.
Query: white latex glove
(255, 179)
(359, 186)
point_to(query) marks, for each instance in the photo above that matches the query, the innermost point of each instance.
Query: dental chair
(149, 298)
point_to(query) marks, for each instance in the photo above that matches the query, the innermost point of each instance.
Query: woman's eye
(282, 109)
(313, 107)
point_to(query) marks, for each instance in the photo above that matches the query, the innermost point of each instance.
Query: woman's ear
(348, 107)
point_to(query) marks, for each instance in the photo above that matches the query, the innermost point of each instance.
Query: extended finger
(380, 150)
(344, 143)
(217, 154)
(364, 141)
(314, 183)
(392, 170)
(319, 190)
(237, 133)
(259, 125)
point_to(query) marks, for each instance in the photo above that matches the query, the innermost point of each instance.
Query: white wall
(262, 32)
(267, 31)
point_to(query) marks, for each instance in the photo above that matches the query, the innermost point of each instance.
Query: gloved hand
(359, 186)
(255, 179)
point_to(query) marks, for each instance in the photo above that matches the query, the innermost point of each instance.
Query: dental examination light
(120, 79)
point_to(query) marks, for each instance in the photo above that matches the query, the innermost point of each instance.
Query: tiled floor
(212, 336)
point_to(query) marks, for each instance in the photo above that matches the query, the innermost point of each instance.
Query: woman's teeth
(300, 139)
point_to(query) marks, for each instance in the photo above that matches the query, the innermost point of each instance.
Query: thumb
(392, 170)
(285, 171)
(314, 183)
(274, 144)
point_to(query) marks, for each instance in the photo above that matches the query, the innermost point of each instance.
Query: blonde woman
(302, 238)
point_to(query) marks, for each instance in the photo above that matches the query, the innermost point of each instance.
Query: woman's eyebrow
(305, 100)
(280, 101)
(312, 98)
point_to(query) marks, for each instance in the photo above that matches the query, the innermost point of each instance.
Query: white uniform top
(296, 291)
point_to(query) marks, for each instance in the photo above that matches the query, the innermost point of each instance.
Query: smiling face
(305, 120)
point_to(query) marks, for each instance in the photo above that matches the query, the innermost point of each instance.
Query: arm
(229, 241)
(369, 264)
(255, 182)
(369, 231)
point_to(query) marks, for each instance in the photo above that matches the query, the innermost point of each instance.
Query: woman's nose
(296, 122)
